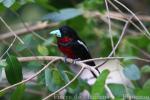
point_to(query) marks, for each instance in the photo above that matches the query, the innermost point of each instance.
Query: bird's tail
(92, 63)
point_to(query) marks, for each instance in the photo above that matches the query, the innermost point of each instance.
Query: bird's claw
(65, 59)
(75, 60)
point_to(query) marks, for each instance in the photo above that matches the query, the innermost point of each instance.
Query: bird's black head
(65, 31)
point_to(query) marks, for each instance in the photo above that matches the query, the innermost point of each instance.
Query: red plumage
(66, 50)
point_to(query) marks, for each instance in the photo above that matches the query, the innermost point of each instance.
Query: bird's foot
(75, 60)
(65, 59)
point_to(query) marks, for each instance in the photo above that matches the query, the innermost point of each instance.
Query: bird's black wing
(81, 51)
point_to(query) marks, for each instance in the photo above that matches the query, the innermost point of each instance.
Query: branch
(109, 25)
(83, 65)
(113, 58)
(56, 58)
(115, 15)
(41, 26)
(33, 76)
(11, 31)
(37, 27)
(49, 58)
(121, 37)
(118, 16)
(122, 13)
(116, 46)
(8, 48)
(65, 85)
(147, 34)
(31, 91)
(101, 16)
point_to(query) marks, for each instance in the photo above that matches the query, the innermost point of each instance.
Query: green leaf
(45, 4)
(56, 76)
(147, 84)
(34, 65)
(18, 93)
(13, 70)
(48, 41)
(67, 75)
(132, 72)
(30, 43)
(48, 83)
(94, 5)
(76, 26)
(126, 49)
(8, 3)
(73, 87)
(63, 73)
(143, 92)
(98, 88)
(27, 40)
(53, 80)
(148, 48)
(138, 41)
(145, 69)
(118, 90)
(2, 93)
(42, 50)
(63, 14)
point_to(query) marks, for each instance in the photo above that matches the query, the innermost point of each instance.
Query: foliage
(98, 87)
(132, 72)
(13, 70)
(18, 93)
(78, 14)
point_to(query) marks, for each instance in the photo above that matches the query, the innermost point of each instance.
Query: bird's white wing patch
(80, 42)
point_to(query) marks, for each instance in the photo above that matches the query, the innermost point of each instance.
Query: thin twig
(26, 26)
(115, 15)
(54, 58)
(109, 92)
(136, 26)
(102, 16)
(65, 85)
(49, 58)
(116, 46)
(146, 30)
(109, 24)
(139, 49)
(121, 37)
(37, 27)
(31, 91)
(13, 33)
(33, 76)
(8, 48)
(113, 58)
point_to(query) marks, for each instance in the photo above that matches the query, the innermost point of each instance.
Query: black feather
(81, 52)
(79, 49)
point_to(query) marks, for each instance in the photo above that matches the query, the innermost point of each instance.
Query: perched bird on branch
(71, 45)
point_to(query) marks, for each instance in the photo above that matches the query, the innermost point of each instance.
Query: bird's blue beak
(56, 32)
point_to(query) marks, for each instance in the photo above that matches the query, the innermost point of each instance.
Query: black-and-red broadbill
(71, 45)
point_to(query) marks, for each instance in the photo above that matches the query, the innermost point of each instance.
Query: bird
(71, 45)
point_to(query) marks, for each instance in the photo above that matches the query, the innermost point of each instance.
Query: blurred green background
(88, 18)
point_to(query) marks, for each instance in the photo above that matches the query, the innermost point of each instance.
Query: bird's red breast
(66, 50)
